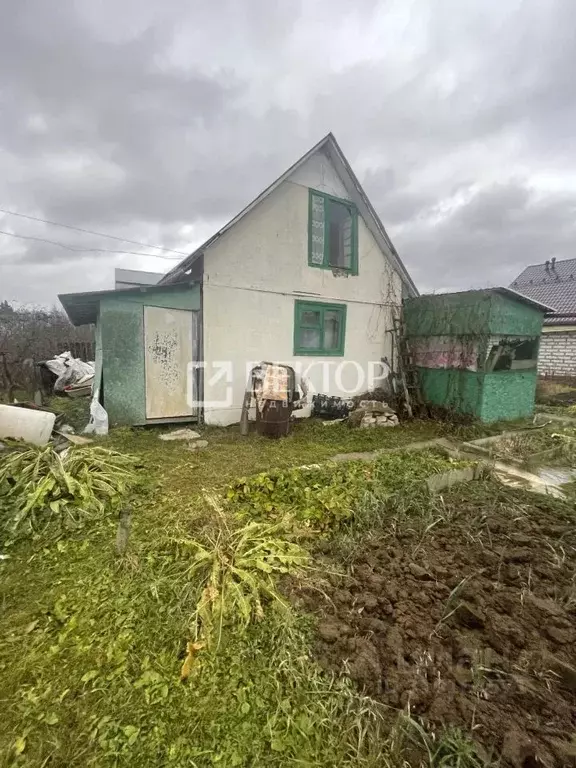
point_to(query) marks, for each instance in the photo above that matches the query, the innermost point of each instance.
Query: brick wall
(557, 355)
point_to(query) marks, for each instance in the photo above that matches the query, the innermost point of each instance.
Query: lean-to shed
(476, 351)
(147, 339)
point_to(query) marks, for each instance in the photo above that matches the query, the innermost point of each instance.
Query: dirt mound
(472, 623)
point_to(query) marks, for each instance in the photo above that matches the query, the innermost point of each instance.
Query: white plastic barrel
(26, 424)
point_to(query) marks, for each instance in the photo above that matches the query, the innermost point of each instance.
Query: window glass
(331, 329)
(339, 235)
(309, 317)
(319, 328)
(310, 338)
(332, 233)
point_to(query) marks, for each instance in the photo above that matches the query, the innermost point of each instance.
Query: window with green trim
(319, 329)
(332, 233)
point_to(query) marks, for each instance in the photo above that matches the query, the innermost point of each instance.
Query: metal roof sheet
(560, 295)
(555, 285)
(82, 308)
(539, 273)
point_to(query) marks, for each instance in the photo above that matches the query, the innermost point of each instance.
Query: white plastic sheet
(69, 370)
(58, 363)
(98, 424)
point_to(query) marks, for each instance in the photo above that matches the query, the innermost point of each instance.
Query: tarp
(69, 370)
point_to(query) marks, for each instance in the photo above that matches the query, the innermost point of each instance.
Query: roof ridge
(543, 263)
(375, 226)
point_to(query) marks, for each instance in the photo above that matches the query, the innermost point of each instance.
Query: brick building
(554, 283)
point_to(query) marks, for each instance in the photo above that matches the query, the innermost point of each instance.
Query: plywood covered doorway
(168, 345)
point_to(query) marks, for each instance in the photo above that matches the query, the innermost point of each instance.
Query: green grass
(75, 410)
(93, 644)
(96, 680)
(230, 456)
(326, 497)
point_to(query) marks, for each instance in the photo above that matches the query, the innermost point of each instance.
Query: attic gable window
(332, 233)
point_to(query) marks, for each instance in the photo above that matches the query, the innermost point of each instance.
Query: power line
(83, 250)
(91, 232)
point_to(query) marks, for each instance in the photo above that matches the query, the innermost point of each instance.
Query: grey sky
(159, 121)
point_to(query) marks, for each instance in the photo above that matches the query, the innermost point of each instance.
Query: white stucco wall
(319, 173)
(254, 274)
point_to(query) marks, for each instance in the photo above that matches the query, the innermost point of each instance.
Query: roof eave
(526, 299)
(80, 306)
(385, 242)
(336, 154)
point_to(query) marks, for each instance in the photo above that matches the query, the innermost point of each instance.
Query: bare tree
(31, 334)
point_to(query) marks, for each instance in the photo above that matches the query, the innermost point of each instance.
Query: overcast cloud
(159, 121)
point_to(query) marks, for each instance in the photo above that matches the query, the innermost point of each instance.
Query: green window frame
(323, 212)
(312, 319)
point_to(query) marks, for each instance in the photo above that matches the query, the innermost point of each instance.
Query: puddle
(542, 479)
(555, 475)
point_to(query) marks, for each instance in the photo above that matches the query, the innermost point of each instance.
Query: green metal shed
(147, 339)
(476, 351)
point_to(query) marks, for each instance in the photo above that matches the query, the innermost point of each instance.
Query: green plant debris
(235, 568)
(524, 445)
(326, 497)
(41, 489)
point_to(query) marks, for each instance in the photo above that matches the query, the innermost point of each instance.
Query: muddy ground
(471, 623)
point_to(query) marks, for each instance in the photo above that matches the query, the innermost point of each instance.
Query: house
(476, 351)
(305, 274)
(554, 283)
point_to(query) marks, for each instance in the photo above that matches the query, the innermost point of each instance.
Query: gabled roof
(548, 272)
(330, 147)
(553, 283)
